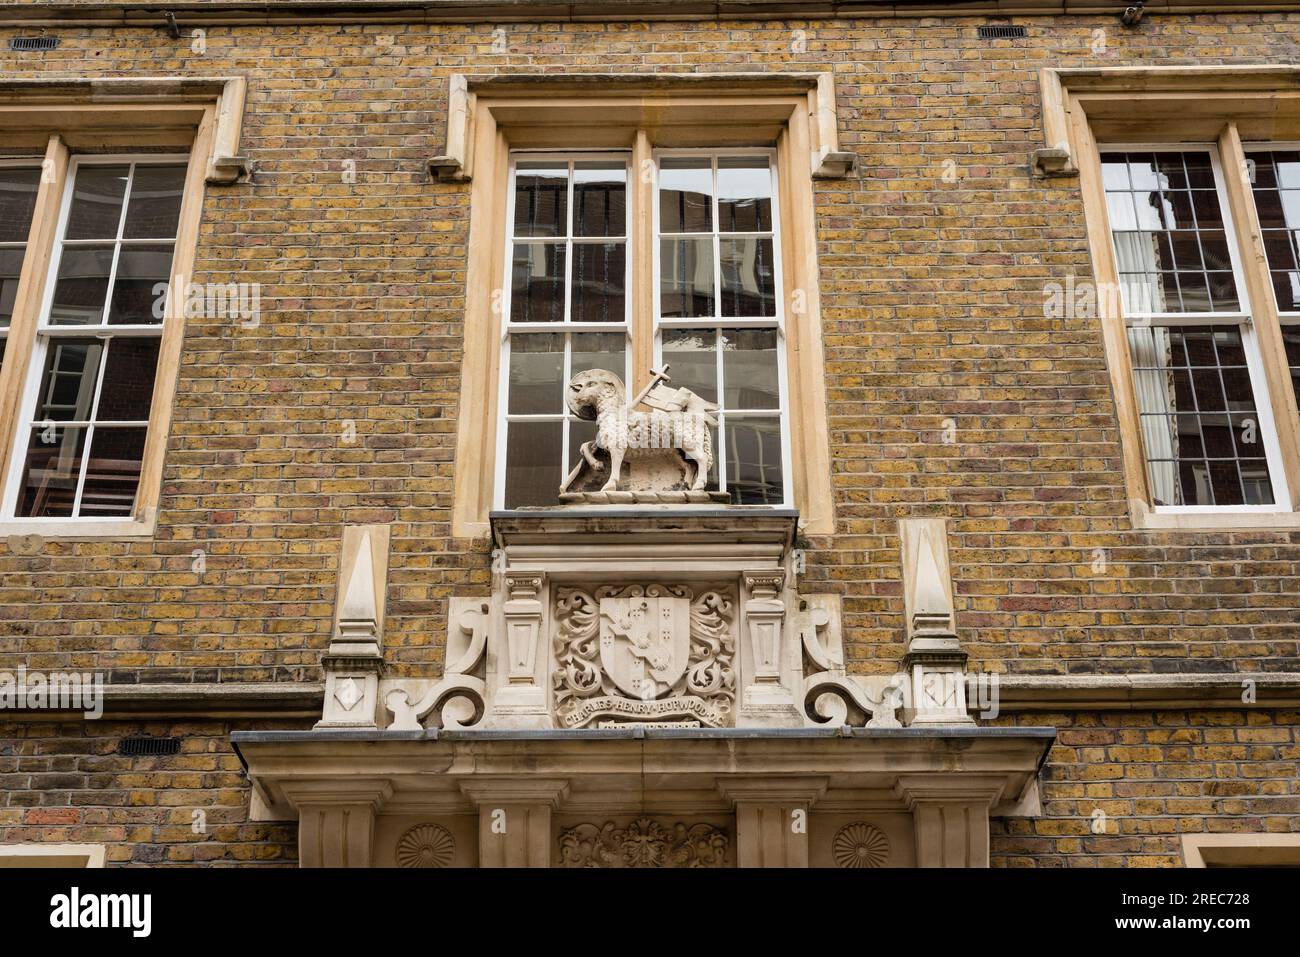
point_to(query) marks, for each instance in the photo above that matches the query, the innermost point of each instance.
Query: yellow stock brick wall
(950, 393)
(65, 783)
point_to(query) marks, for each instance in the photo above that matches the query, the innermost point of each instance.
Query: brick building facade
(1164, 655)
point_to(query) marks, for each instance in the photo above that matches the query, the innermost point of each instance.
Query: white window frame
(1242, 318)
(720, 322)
(47, 334)
(567, 326)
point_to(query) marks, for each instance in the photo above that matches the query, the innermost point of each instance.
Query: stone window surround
(51, 119)
(1223, 106)
(36, 854)
(1241, 850)
(489, 116)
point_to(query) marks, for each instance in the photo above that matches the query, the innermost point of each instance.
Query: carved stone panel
(644, 842)
(644, 653)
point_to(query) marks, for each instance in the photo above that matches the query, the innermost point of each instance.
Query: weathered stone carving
(830, 695)
(458, 699)
(673, 436)
(643, 843)
(425, 845)
(354, 661)
(860, 845)
(634, 653)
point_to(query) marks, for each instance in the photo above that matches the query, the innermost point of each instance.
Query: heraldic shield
(645, 642)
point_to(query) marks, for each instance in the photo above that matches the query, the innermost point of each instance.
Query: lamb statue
(676, 428)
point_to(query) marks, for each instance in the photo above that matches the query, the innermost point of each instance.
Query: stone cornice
(231, 12)
(1016, 693)
(1138, 692)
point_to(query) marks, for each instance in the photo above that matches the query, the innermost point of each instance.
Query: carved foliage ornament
(643, 843)
(635, 653)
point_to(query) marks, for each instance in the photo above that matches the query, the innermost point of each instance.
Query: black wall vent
(33, 43)
(1003, 32)
(141, 746)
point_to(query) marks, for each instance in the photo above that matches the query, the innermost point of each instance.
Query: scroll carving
(644, 843)
(458, 700)
(634, 653)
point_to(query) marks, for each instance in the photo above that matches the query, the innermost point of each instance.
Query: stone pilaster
(521, 700)
(765, 700)
(515, 819)
(336, 821)
(950, 815)
(772, 818)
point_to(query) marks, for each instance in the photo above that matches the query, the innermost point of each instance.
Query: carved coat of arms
(638, 654)
(644, 642)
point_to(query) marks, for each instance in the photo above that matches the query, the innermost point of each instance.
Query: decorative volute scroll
(934, 657)
(458, 700)
(830, 696)
(354, 662)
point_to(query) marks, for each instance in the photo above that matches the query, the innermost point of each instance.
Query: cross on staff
(656, 376)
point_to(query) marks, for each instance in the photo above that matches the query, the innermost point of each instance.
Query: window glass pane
(748, 277)
(51, 471)
(537, 283)
(1167, 224)
(1291, 338)
(113, 472)
(599, 274)
(11, 266)
(1278, 208)
(744, 194)
(599, 350)
(685, 195)
(533, 463)
(67, 391)
(754, 472)
(82, 286)
(541, 199)
(692, 357)
(599, 198)
(155, 204)
(686, 277)
(97, 202)
(1202, 435)
(128, 380)
(139, 288)
(18, 188)
(749, 372)
(536, 374)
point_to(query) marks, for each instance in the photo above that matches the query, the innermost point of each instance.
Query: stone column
(521, 701)
(950, 815)
(514, 819)
(336, 822)
(772, 818)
